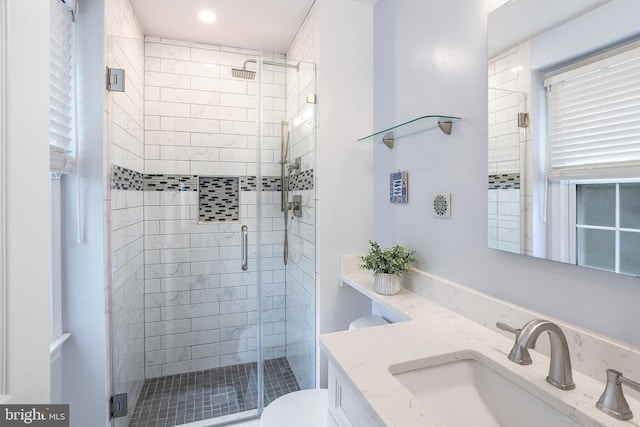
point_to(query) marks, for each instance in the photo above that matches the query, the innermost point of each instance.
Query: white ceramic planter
(386, 284)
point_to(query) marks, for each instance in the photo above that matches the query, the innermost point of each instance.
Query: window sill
(55, 347)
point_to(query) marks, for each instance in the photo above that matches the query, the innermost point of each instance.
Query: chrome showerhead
(243, 73)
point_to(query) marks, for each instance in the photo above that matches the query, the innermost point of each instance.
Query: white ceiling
(264, 25)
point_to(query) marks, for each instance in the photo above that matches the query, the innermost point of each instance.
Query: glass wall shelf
(417, 125)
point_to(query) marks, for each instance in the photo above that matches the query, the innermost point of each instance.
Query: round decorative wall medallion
(442, 205)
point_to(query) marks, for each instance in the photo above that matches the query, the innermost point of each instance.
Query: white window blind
(594, 119)
(61, 90)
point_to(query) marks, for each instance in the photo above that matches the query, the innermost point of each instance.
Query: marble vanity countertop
(432, 335)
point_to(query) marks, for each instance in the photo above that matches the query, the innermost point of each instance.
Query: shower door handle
(245, 248)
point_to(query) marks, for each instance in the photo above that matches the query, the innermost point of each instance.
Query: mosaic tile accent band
(219, 200)
(126, 179)
(170, 182)
(301, 181)
(510, 181)
(269, 183)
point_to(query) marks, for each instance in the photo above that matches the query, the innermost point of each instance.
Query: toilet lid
(306, 408)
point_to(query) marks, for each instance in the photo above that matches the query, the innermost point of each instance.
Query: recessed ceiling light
(207, 16)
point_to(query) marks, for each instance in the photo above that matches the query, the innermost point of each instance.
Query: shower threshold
(184, 398)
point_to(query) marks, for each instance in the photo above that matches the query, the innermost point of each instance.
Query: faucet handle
(518, 354)
(612, 401)
(508, 328)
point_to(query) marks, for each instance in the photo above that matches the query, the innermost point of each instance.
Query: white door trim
(3, 203)
(26, 200)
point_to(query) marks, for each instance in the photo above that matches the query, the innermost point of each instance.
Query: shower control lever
(295, 207)
(295, 166)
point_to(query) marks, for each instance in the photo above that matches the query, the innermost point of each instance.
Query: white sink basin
(467, 392)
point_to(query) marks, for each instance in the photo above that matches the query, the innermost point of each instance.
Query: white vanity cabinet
(346, 408)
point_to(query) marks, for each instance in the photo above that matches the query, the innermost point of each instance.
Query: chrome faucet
(560, 375)
(612, 401)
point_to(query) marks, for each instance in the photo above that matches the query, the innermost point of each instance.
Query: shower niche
(218, 198)
(196, 154)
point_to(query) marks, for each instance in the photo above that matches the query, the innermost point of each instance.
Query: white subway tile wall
(509, 151)
(200, 307)
(126, 108)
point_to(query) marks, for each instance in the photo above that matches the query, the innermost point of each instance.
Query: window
(62, 125)
(594, 147)
(594, 119)
(608, 227)
(61, 89)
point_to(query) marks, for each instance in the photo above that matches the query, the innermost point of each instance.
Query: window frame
(601, 62)
(616, 228)
(56, 258)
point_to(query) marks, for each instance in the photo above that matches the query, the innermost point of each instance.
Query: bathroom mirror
(589, 219)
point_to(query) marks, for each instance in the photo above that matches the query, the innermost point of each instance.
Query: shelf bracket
(445, 126)
(388, 139)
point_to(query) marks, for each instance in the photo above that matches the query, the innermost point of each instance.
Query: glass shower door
(195, 156)
(183, 330)
(300, 224)
(287, 215)
(126, 222)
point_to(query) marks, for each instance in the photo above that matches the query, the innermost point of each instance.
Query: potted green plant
(388, 266)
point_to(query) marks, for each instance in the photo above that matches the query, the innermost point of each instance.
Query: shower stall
(212, 231)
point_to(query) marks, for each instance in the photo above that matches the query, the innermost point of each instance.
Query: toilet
(368, 321)
(307, 408)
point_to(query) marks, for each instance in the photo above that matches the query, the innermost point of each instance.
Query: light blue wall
(431, 58)
(344, 192)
